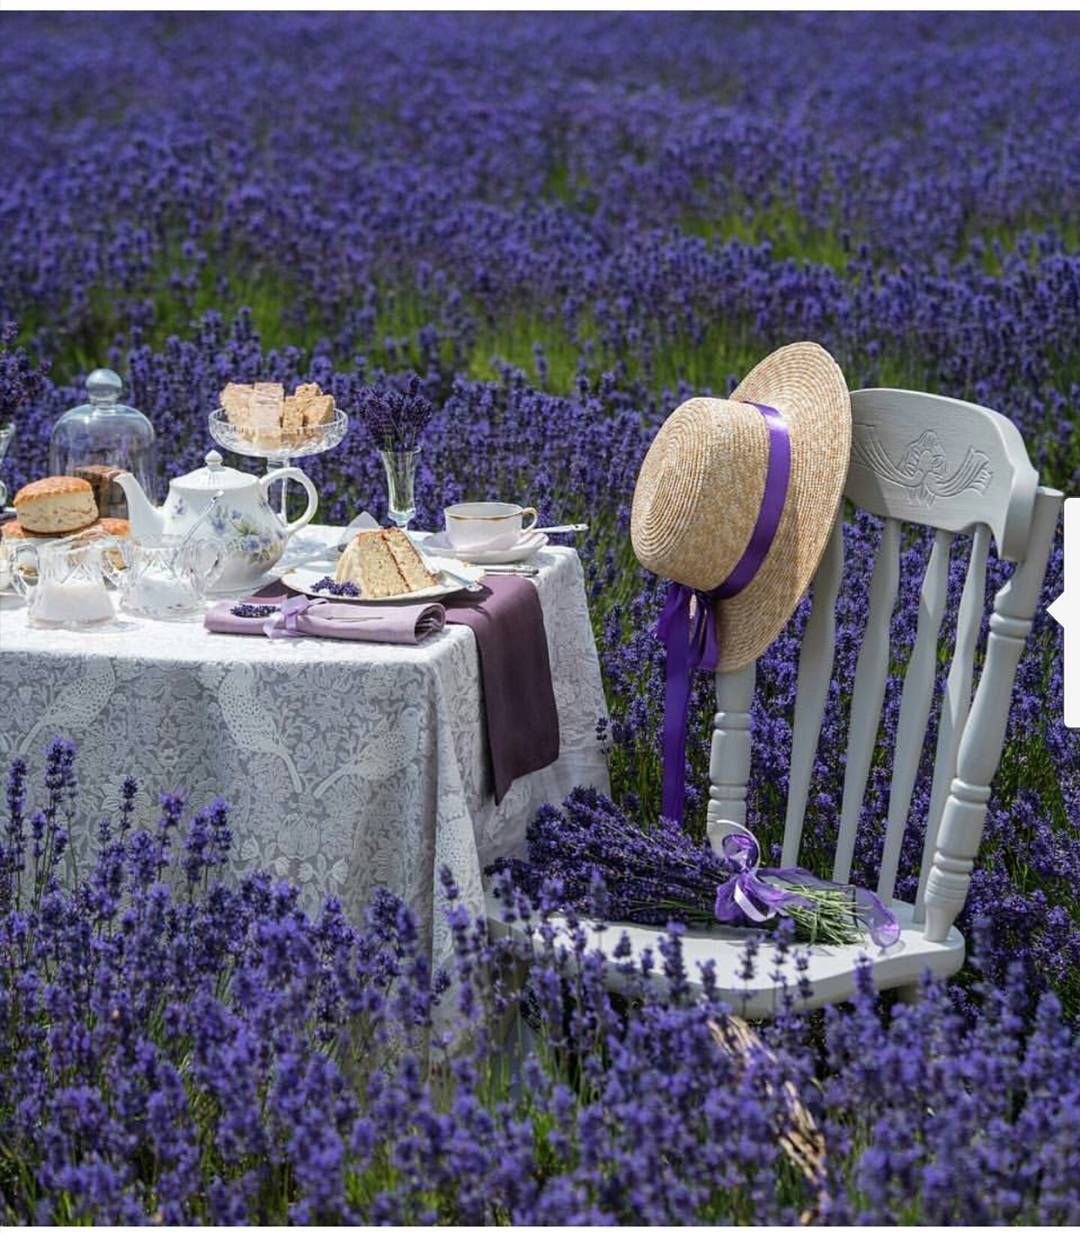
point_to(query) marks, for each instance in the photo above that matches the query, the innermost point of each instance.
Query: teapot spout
(147, 522)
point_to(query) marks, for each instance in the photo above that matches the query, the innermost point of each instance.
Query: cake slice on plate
(384, 563)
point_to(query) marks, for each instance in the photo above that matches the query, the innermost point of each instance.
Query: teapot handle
(312, 496)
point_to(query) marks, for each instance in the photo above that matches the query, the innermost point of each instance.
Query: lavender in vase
(394, 419)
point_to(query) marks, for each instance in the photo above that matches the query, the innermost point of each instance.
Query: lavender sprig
(326, 583)
(395, 418)
(252, 611)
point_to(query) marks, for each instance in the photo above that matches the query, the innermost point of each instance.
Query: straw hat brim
(713, 459)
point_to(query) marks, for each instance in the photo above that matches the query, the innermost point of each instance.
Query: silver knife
(469, 584)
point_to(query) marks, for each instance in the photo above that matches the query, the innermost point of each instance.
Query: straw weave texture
(700, 487)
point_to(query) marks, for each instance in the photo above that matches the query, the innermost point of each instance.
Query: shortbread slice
(292, 417)
(319, 411)
(266, 407)
(236, 399)
(305, 393)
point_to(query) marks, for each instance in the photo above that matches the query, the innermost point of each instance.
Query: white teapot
(252, 534)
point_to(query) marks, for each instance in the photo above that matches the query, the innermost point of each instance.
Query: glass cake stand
(302, 444)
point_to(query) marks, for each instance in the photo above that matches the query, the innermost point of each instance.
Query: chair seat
(831, 971)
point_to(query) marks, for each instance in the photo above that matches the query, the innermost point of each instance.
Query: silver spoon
(201, 518)
(567, 529)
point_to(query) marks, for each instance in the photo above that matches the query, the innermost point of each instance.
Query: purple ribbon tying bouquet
(589, 856)
(756, 895)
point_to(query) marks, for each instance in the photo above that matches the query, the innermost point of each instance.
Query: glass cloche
(101, 435)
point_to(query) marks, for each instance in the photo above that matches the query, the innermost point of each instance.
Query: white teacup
(487, 524)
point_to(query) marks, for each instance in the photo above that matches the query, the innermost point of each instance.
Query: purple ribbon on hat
(749, 897)
(687, 624)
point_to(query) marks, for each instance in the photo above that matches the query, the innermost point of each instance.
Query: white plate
(529, 544)
(304, 578)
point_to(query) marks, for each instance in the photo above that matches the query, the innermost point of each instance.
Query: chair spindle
(729, 757)
(957, 699)
(868, 693)
(915, 707)
(812, 691)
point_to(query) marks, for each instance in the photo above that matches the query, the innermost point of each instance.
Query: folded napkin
(294, 616)
(515, 672)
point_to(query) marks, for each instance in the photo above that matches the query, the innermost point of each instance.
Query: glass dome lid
(103, 388)
(105, 435)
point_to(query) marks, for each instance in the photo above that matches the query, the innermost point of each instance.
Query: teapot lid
(214, 476)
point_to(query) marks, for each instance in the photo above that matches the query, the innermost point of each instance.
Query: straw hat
(700, 488)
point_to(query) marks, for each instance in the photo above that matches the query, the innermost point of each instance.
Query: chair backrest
(959, 469)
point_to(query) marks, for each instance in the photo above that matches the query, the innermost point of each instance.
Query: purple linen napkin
(515, 672)
(295, 617)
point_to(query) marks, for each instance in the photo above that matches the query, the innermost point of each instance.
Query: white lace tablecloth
(348, 765)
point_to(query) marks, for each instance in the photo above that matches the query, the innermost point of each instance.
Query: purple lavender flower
(21, 381)
(255, 611)
(331, 585)
(395, 417)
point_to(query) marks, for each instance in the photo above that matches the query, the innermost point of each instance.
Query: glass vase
(400, 467)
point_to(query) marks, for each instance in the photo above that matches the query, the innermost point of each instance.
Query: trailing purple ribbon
(285, 623)
(690, 637)
(748, 897)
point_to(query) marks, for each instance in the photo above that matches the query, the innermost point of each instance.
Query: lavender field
(565, 226)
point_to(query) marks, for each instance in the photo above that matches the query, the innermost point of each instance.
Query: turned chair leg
(964, 815)
(729, 759)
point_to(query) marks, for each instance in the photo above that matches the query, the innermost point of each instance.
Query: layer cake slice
(384, 563)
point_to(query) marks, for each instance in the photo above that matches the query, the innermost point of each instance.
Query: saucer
(530, 543)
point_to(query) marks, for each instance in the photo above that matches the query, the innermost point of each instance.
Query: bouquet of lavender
(395, 417)
(591, 857)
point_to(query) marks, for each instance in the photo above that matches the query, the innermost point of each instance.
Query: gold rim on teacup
(487, 524)
(517, 511)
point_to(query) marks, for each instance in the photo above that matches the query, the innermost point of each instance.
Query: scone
(120, 527)
(57, 504)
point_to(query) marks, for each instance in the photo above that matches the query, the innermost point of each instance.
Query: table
(347, 765)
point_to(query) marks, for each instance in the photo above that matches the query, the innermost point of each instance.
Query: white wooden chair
(961, 469)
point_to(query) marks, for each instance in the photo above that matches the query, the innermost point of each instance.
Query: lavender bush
(175, 1049)
(21, 382)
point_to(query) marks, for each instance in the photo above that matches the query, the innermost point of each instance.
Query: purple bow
(748, 897)
(687, 625)
(285, 623)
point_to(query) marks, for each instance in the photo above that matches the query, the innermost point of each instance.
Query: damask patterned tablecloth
(347, 765)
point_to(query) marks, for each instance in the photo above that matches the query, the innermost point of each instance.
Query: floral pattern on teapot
(235, 507)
